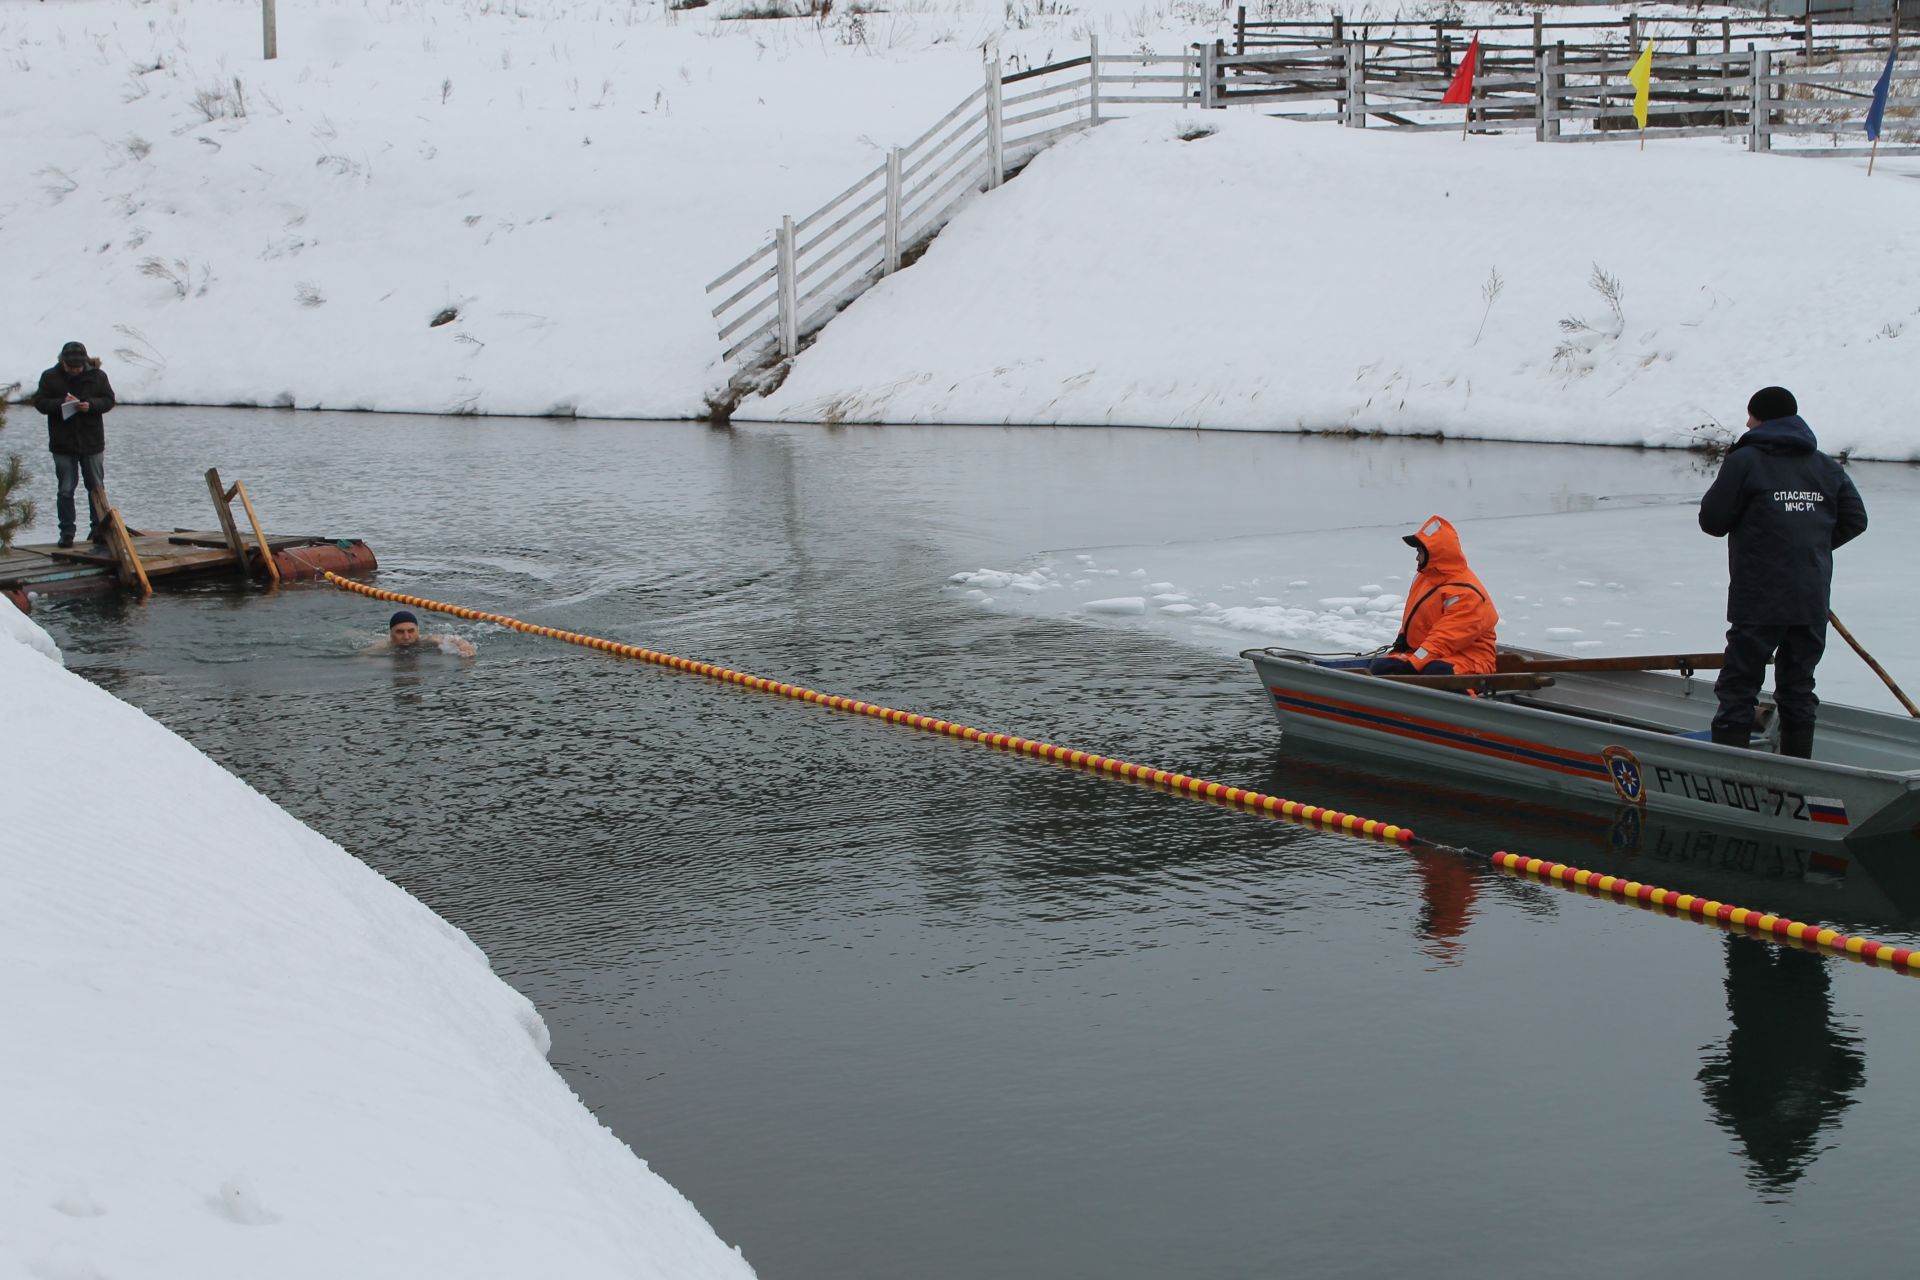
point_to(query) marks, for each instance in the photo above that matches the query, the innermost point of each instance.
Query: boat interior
(1683, 705)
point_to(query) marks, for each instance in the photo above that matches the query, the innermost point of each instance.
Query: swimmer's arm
(462, 647)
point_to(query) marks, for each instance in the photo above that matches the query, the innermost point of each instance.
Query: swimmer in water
(403, 632)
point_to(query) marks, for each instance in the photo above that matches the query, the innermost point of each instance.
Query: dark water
(885, 1005)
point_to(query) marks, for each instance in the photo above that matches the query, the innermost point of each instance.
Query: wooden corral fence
(1749, 79)
(814, 265)
(1799, 86)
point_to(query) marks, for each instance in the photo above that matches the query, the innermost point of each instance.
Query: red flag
(1461, 90)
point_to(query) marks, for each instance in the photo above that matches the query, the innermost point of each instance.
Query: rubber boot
(1796, 739)
(1723, 737)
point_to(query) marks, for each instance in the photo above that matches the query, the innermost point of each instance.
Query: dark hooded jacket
(1449, 616)
(83, 433)
(1783, 506)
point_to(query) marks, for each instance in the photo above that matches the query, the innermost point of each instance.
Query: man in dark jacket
(1783, 506)
(74, 395)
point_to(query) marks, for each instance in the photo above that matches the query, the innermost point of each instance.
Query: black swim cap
(400, 617)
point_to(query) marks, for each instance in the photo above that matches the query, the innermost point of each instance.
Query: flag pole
(1872, 156)
(1473, 74)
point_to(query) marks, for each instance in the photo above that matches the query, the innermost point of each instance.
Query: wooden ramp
(133, 560)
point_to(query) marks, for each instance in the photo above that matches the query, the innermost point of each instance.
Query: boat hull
(1613, 760)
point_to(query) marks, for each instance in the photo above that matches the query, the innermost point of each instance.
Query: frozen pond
(886, 1005)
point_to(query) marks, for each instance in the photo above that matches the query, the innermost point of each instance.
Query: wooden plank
(131, 572)
(223, 511)
(1513, 662)
(266, 552)
(1484, 684)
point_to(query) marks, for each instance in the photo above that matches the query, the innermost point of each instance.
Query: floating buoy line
(1741, 920)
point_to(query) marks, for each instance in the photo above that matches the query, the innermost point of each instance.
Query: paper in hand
(68, 409)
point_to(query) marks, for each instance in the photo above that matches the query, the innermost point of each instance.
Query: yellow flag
(1641, 78)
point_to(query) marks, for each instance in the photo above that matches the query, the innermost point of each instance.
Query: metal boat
(1634, 737)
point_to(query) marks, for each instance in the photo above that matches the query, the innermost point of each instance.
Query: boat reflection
(1787, 1068)
(1847, 886)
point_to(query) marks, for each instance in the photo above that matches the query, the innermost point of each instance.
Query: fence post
(1357, 85)
(1208, 69)
(269, 29)
(1763, 101)
(1186, 78)
(1093, 78)
(1240, 29)
(1220, 70)
(1539, 96)
(892, 263)
(996, 139)
(789, 308)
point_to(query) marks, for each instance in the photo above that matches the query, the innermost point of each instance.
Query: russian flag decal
(1822, 809)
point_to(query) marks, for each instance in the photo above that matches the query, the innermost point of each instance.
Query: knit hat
(73, 353)
(400, 617)
(1769, 403)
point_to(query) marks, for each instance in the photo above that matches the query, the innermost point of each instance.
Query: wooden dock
(132, 559)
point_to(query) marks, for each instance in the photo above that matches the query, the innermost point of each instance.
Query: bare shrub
(183, 277)
(308, 294)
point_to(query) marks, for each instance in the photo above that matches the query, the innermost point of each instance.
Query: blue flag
(1878, 110)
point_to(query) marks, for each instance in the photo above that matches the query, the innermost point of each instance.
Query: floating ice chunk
(1384, 603)
(1298, 582)
(1159, 586)
(1171, 597)
(1586, 644)
(1266, 599)
(1616, 586)
(1372, 589)
(1081, 582)
(1612, 624)
(1342, 602)
(1568, 600)
(1084, 559)
(976, 594)
(1118, 604)
(1138, 573)
(1584, 583)
(991, 578)
(1179, 610)
(1564, 633)
(1030, 586)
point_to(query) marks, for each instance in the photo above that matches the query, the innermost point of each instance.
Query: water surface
(886, 1005)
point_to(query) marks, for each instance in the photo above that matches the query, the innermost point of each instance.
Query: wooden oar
(1878, 670)
(1488, 683)
(1513, 662)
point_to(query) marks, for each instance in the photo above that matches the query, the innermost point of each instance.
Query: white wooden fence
(816, 264)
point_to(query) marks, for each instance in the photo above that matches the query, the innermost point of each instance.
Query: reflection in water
(1786, 1071)
(1448, 886)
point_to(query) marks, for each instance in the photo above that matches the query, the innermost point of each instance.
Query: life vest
(1449, 615)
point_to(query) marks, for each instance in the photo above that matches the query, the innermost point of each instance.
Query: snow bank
(1277, 275)
(15, 625)
(234, 1050)
(558, 181)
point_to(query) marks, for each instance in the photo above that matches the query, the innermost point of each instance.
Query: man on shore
(1783, 506)
(75, 394)
(403, 632)
(1448, 626)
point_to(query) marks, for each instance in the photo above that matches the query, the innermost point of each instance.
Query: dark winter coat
(83, 433)
(1782, 506)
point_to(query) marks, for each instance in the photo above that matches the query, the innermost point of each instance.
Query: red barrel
(346, 558)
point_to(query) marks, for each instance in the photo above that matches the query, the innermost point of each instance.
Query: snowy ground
(1635, 576)
(234, 1050)
(1258, 277)
(565, 178)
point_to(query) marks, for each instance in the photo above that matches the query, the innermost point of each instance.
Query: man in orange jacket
(1448, 625)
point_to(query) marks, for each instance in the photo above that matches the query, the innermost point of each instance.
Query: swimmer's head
(403, 629)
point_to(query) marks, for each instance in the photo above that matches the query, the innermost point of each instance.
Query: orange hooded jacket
(1449, 615)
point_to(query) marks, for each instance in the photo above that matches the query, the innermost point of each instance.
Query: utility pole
(270, 36)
